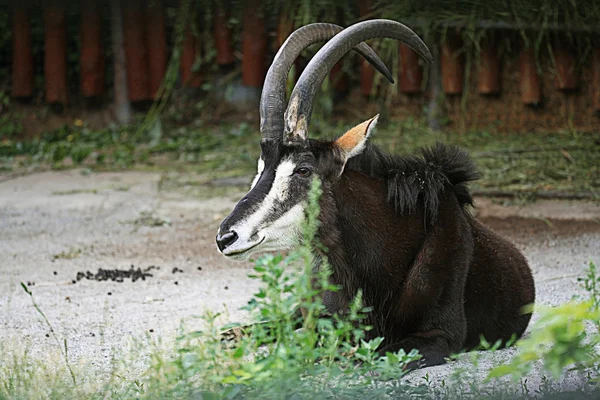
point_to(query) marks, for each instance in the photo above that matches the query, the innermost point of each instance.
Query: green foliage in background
(521, 163)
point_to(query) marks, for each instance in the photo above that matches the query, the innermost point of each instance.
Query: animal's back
(499, 285)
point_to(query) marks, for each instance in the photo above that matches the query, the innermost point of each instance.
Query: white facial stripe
(279, 191)
(282, 179)
(260, 168)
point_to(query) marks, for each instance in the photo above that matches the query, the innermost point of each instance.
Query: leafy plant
(284, 354)
(591, 283)
(559, 338)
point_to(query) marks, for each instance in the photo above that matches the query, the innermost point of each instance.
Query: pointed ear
(353, 142)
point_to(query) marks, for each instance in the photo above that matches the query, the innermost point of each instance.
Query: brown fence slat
(55, 51)
(452, 63)
(367, 72)
(254, 46)
(92, 58)
(490, 65)
(529, 81)
(135, 50)
(339, 77)
(22, 65)
(223, 37)
(156, 36)
(596, 78)
(411, 70)
(566, 65)
(367, 76)
(189, 77)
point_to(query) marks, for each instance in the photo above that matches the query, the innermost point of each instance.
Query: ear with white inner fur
(353, 142)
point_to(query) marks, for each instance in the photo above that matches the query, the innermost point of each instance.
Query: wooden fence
(147, 50)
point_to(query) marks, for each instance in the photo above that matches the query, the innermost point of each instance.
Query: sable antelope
(399, 228)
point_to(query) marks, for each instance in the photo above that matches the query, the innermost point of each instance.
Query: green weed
(559, 339)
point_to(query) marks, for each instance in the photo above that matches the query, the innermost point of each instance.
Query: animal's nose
(226, 240)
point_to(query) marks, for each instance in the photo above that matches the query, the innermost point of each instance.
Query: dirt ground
(54, 225)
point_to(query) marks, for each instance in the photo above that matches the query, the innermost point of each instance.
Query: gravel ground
(56, 225)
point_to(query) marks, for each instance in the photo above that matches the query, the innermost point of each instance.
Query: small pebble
(47, 335)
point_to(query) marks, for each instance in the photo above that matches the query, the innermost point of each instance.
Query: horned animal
(397, 228)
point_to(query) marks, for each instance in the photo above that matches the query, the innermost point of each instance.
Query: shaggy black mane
(414, 180)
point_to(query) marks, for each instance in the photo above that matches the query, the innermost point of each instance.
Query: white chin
(244, 251)
(239, 256)
(263, 246)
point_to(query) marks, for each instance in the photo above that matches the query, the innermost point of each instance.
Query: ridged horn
(298, 113)
(272, 100)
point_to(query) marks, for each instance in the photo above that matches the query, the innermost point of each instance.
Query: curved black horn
(297, 115)
(272, 100)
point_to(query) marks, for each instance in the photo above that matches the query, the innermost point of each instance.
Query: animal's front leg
(432, 346)
(333, 303)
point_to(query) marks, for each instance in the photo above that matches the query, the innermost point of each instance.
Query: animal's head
(270, 216)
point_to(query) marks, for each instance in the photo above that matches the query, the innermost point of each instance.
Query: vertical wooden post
(367, 72)
(531, 92)
(156, 36)
(55, 51)
(435, 110)
(223, 36)
(22, 59)
(339, 78)
(566, 63)
(596, 78)
(452, 62)
(135, 50)
(254, 45)
(190, 78)
(285, 27)
(122, 108)
(411, 70)
(489, 75)
(92, 49)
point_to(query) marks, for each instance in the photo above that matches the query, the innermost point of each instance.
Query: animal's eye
(303, 172)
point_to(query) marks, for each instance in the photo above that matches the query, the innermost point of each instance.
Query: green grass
(524, 164)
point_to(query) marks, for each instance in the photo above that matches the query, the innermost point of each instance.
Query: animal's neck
(365, 237)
